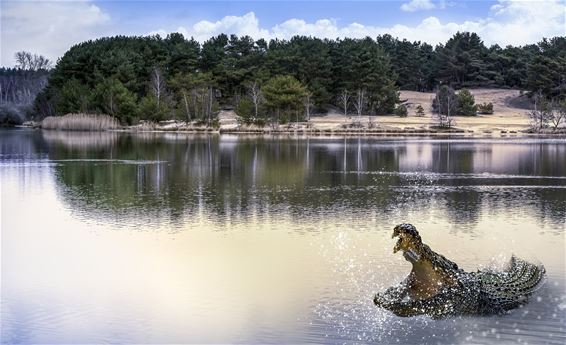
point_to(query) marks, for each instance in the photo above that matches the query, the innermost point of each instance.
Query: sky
(51, 27)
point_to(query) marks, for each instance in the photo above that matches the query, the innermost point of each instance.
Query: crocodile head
(428, 275)
(409, 241)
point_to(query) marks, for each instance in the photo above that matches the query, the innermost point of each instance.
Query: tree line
(19, 86)
(155, 78)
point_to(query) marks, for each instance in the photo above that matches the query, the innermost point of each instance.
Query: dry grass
(80, 122)
(506, 115)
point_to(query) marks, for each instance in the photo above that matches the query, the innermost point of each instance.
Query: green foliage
(419, 111)
(485, 108)
(10, 116)
(245, 110)
(546, 75)
(412, 62)
(284, 96)
(466, 103)
(401, 111)
(460, 61)
(194, 96)
(73, 97)
(111, 97)
(203, 77)
(150, 110)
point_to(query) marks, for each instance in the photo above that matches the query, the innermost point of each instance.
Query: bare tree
(344, 99)
(450, 106)
(20, 86)
(307, 102)
(360, 102)
(157, 84)
(540, 114)
(110, 104)
(557, 113)
(186, 102)
(202, 102)
(31, 62)
(256, 96)
(444, 105)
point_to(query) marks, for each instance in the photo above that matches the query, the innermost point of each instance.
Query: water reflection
(173, 238)
(167, 177)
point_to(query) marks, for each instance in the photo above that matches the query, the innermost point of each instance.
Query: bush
(466, 103)
(10, 116)
(245, 109)
(485, 108)
(150, 110)
(401, 110)
(419, 111)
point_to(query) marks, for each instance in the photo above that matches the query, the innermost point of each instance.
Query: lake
(179, 238)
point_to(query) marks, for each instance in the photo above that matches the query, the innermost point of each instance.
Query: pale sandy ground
(505, 116)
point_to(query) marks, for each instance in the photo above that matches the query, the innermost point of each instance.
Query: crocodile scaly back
(508, 289)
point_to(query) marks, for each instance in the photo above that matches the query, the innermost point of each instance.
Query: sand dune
(506, 116)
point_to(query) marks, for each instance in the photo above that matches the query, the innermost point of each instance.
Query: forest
(154, 78)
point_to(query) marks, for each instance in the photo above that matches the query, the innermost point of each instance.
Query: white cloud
(514, 22)
(417, 5)
(247, 24)
(48, 28)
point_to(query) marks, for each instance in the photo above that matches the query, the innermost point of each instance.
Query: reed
(80, 122)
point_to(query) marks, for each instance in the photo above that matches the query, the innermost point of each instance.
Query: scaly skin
(438, 288)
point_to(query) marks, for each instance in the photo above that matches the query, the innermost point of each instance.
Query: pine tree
(419, 111)
(466, 103)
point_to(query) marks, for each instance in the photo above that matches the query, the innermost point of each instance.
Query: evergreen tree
(466, 103)
(283, 96)
(111, 97)
(419, 111)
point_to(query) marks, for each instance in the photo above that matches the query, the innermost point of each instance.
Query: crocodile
(437, 287)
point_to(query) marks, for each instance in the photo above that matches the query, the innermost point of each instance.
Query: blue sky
(178, 13)
(52, 27)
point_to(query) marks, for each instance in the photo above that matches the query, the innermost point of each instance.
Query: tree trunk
(186, 106)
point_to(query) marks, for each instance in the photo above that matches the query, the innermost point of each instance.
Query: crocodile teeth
(397, 246)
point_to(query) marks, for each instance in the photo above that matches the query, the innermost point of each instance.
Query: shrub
(466, 103)
(245, 109)
(419, 111)
(10, 116)
(401, 110)
(485, 108)
(149, 109)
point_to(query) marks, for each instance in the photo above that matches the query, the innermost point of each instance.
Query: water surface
(176, 238)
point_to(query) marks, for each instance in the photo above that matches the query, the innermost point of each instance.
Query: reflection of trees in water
(177, 177)
(81, 140)
(20, 144)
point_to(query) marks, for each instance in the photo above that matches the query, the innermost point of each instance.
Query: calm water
(167, 238)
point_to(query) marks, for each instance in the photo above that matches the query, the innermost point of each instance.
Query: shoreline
(509, 120)
(420, 133)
